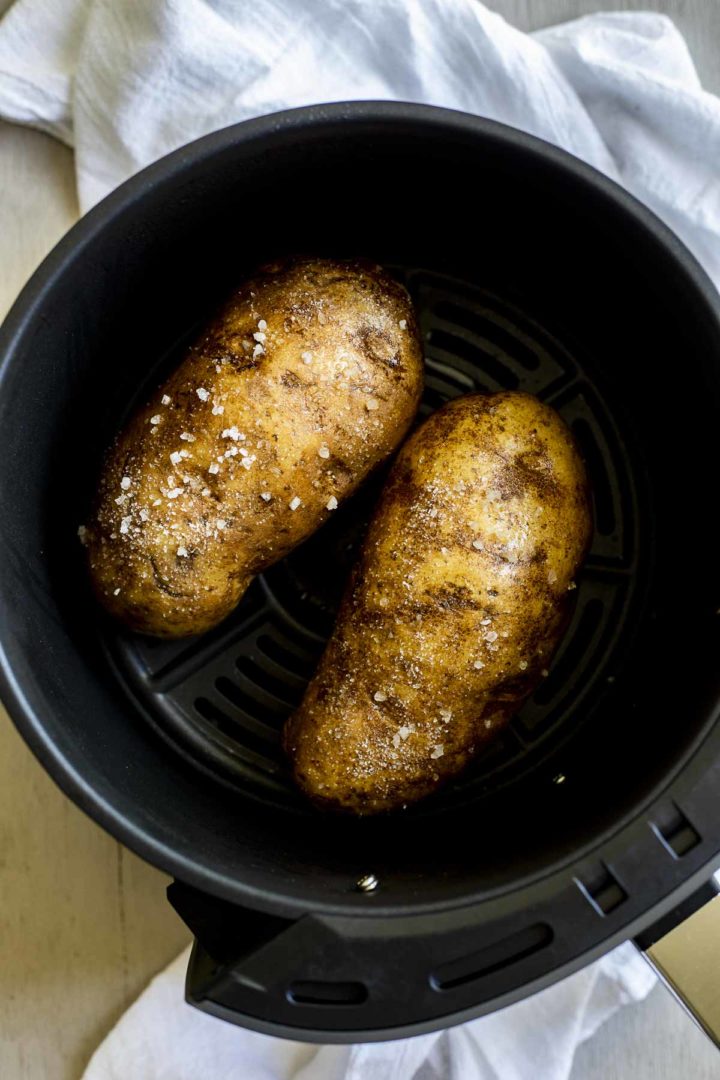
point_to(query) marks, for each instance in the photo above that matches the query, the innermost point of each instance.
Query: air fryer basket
(596, 811)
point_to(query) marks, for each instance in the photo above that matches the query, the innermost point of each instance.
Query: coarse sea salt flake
(125, 524)
(266, 496)
(262, 325)
(221, 523)
(182, 552)
(332, 503)
(405, 732)
(125, 483)
(259, 336)
(231, 433)
(437, 751)
(116, 592)
(379, 696)
(306, 357)
(372, 404)
(202, 393)
(294, 503)
(403, 324)
(446, 714)
(218, 410)
(324, 452)
(523, 665)
(187, 436)
(82, 534)
(165, 399)
(144, 516)
(214, 468)
(478, 664)
(478, 545)
(155, 419)
(176, 457)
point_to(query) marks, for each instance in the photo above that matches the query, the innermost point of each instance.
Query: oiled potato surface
(307, 378)
(455, 607)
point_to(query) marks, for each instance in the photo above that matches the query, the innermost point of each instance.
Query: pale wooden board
(83, 922)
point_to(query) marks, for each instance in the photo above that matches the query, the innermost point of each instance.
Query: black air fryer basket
(595, 816)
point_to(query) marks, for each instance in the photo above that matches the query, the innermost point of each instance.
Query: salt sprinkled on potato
(299, 387)
(456, 605)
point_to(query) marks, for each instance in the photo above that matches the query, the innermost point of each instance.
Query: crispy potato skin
(299, 410)
(454, 609)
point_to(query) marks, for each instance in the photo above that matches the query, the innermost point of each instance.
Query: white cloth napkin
(162, 1038)
(125, 81)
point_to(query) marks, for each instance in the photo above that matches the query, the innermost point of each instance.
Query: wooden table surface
(83, 922)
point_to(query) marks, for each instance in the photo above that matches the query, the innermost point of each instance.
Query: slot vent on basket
(602, 889)
(278, 689)
(494, 957)
(301, 666)
(674, 831)
(451, 376)
(487, 364)
(259, 706)
(512, 343)
(443, 383)
(261, 741)
(321, 992)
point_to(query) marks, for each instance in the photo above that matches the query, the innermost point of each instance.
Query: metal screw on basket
(367, 883)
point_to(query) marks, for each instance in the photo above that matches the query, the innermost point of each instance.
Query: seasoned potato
(455, 606)
(306, 379)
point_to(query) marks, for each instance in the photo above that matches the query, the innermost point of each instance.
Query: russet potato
(455, 607)
(306, 380)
